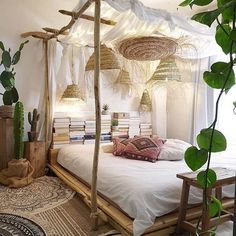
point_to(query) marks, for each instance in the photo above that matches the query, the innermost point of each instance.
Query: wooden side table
(224, 177)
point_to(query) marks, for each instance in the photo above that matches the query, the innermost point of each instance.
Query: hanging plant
(221, 76)
(7, 77)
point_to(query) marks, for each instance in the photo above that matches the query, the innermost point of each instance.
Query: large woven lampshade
(147, 48)
(166, 70)
(108, 60)
(72, 93)
(145, 103)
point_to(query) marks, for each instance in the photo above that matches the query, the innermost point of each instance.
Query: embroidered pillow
(143, 148)
(119, 146)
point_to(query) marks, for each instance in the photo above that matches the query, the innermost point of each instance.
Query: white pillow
(173, 150)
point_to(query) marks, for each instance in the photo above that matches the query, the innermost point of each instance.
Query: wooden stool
(224, 177)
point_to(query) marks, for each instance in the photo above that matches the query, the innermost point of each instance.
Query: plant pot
(105, 112)
(115, 128)
(6, 111)
(33, 136)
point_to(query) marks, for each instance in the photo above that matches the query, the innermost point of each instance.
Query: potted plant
(33, 121)
(19, 172)
(115, 125)
(7, 79)
(105, 109)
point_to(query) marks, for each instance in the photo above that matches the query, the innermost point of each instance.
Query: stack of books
(90, 131)
(123, 125)
(77, 130)
(134, 126)
(61, 135)
(106, 128)
(145, 129)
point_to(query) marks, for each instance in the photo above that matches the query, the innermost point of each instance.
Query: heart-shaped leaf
(207, 179)
(195, 158)
(215, 207)
(219, 142)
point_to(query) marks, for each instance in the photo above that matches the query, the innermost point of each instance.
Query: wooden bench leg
(183, 206)
(205, 215)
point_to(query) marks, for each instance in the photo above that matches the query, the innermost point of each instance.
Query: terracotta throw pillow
(119, 146)
(143, 148)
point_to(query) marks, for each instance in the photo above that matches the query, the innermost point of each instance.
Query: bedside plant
(105, 109)
(7, 79)
(115, 125)
(33, 121)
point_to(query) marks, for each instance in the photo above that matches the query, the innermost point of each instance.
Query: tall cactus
(33, 120)
(18, 130)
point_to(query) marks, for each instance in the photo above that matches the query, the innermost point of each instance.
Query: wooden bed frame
(163, 225)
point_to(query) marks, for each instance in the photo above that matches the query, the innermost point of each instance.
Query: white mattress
(144, 190)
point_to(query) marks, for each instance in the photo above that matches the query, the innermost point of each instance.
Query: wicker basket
(108, 60)
(147, 48)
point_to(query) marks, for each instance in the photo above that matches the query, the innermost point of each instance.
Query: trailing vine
(220, 77)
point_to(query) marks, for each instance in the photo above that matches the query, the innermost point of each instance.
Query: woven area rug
(42, 194)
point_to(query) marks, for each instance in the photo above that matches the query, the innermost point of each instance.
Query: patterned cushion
(143, 148)
(119, 146)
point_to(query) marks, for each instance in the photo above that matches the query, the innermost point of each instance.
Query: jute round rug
(14, 225)
(42, 194)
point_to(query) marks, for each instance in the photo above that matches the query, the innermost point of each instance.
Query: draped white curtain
(182, 109)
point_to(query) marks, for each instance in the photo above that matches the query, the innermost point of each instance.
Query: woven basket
(145, 103)
(108, 60)
(147, 48)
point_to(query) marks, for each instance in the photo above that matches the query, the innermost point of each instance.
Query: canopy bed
(123, 25)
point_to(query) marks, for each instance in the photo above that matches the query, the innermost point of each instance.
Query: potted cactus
(7, 79)
(19, 172)
(105, 109)
(33, 120)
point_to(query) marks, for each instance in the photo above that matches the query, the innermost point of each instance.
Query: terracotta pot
(6, 111)
(33, 136)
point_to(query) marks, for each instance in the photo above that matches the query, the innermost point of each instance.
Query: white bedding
(144, 190)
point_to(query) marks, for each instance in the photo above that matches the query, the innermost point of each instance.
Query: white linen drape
(188, 104)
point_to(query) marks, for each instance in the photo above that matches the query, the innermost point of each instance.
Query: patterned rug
(14, 225)
(42, 194)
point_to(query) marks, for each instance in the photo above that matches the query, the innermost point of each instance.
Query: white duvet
(144, 190)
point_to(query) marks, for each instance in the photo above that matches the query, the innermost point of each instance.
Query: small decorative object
(115, 125)
(109, 60)
(166, 70)
(7, 80)
(145, 103)
(19, 172)
(147, 48)
(33, 120)
(72, 93)
(105, 109)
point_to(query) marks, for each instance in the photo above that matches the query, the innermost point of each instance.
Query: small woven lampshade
(166, 70)
(123, 78)
(108, 60)
(147, 48)
(72, 93)
(145, 103)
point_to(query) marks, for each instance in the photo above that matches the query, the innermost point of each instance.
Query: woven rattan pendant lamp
(108, 59)
(72, 93)
(145, 103)
(123, 78)
(166, 70)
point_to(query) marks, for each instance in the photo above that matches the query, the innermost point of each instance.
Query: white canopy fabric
(134, 19)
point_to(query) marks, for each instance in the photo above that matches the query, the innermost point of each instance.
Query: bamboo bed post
(94, 208)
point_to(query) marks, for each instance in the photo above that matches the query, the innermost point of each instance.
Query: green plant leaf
(219, 143)
(23, 44)
(215, 207)
(210, 178)
(202, 2)
(228, 13)
(6, 59)
(7, 98)
(7, 80)
(233, 34)
(218, 75)
(185, 3)
(2, 46)
(195, 158)
(16, 57)
(15, 95)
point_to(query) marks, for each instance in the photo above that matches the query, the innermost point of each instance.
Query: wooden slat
(52, 30)
(36, 34)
